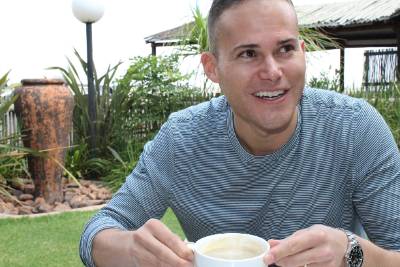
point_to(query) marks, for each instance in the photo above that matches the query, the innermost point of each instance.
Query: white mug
(230, 250)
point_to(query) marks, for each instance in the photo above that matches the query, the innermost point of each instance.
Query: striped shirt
(341, 163)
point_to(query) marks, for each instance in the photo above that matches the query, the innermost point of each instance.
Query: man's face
(260, 65)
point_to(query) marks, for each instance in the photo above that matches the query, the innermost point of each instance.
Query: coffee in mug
(230, 250)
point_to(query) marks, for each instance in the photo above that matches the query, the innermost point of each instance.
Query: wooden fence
(152, 118)
(380, 69)
(8, 123)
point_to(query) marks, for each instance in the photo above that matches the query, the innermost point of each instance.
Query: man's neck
(260, 142)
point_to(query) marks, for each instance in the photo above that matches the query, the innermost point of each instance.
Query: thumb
(273, 242)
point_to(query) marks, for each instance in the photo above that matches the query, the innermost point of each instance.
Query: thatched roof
(348, 13)
(357, 23)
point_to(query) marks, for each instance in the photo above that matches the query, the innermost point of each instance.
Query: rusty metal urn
(45, 107)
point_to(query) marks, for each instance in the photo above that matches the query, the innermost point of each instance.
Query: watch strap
(352, 246)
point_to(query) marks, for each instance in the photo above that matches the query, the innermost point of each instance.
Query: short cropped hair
(217, 8)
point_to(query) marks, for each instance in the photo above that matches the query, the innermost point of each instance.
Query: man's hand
(317, 246)
(152, 245)
(155, 245)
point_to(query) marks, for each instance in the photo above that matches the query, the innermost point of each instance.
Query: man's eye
(248, 54)
(286, 48)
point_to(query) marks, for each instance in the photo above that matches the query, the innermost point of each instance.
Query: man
(290, 165)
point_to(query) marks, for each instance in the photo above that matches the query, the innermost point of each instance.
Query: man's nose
(270, 70)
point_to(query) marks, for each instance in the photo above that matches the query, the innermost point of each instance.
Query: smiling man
(296, 166)
(259, 63)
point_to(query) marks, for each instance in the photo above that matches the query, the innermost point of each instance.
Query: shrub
(151, 89)
(79, 159)
(13, 166)
(387, 102)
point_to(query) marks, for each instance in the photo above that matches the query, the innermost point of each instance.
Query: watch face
(356, 257)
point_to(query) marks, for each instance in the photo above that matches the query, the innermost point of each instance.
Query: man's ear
(303, 46)
(209, 62)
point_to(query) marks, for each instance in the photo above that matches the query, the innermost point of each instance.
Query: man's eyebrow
(289, 40)
(253, 46)
(245, 46)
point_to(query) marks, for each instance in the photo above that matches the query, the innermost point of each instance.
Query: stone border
(10, 216)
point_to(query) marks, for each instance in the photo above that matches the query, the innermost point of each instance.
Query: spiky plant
(13, 165)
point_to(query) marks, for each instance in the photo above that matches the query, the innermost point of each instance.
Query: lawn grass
(50, 240)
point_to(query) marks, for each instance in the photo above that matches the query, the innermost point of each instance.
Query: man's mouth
(271, 95)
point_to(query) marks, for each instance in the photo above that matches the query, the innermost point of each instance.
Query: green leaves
(79, 161)
(12, 157)
(316, 40)
(152, 72)
(196, 41)
(151, 89)
(102, 84)
(123, 164)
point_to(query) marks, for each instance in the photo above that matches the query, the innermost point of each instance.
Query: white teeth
(270, 94)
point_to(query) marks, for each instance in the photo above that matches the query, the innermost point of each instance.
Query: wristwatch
(354, 256)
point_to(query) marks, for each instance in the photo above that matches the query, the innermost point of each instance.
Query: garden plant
(13, 167)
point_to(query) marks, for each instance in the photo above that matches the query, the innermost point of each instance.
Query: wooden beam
(341, 73)
(153, 49)
(398, 51)
(366, 70)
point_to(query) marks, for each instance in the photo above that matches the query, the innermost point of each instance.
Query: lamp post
(88, 12)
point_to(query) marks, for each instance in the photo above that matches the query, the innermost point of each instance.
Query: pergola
(365, 23)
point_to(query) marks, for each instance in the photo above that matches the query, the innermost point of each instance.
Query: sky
(43, 33)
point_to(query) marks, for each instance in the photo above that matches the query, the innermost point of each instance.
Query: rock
(9, 206)
(13, 211)
(91, 193)
(91, 196)
(93, 187)
(39, 201)
(103, 194)
(79, 202)
(85, 183)
(68, 196)
(29, 189)
(95, 202)
(29, 203)
(24, 197)
(85, 190)
(62, 207)
(16, 193)
(35, 210)
(25, 210)
(44, 207)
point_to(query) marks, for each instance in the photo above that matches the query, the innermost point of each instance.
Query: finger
(269, 258)
(144, 258)
(309, 257)
(273, 242)
(163, 255)
(294, 244)
(169, 239)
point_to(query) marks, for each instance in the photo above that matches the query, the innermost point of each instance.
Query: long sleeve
(144, 194)
(376, 194)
